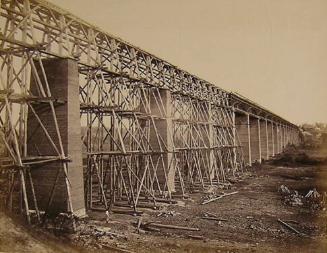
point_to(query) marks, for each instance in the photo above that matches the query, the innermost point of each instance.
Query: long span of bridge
(89, 121)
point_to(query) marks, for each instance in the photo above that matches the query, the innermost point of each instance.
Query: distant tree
(313, 133)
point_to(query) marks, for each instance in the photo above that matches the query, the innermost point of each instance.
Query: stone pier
(243, 129)
(160, 108)
(62, 77)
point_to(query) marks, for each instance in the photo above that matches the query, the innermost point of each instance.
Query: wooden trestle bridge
(89, 121)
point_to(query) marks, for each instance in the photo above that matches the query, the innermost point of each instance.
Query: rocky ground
(279, 206)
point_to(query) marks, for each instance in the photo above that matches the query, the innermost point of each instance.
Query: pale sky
(272, 51)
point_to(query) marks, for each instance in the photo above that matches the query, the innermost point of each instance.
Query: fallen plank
(139, 223)
(152, 229)
(196, 237)
(289, 227)
(126, 211)
(213, 218)
(139, 205)
(292, 221)
(159, 225)
(210, 214)
(219, 197)
(160, 200)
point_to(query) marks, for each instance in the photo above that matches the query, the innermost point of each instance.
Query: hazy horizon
(273, 52)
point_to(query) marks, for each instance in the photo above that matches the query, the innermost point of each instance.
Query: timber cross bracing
(149, 130)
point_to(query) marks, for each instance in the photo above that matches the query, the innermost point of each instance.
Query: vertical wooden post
(277, 138)
(267, 139)
(234, 139)
(259, 141)
(273, 138)
(249, 139)
(283, 137)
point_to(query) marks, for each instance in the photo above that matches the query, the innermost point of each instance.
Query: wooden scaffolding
(150, 130)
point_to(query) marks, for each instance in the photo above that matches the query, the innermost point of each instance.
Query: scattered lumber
(219, 197)
(159, 225)
(167, 213)
(99, 233)
(289, 227)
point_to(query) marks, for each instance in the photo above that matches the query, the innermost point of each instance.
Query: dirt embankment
(17, 237)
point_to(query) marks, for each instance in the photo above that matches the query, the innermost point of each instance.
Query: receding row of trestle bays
(89, 121)
(130, 142)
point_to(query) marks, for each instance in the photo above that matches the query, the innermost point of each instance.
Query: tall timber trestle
(89, 121)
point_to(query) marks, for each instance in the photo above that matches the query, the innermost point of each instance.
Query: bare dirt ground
(248, 220)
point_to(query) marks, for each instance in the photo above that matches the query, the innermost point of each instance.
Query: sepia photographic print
(163, 126)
